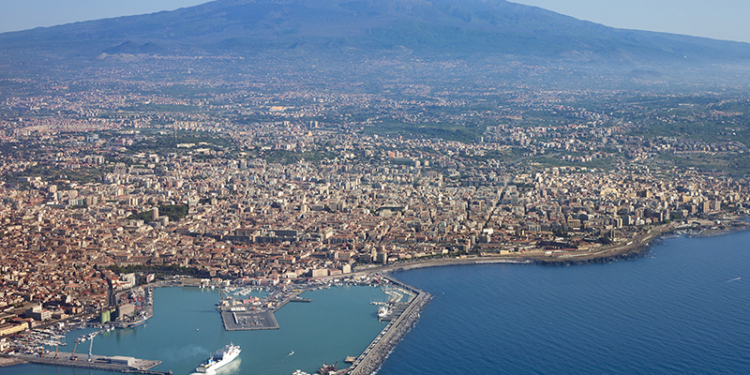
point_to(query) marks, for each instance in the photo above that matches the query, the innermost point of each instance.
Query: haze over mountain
(442, 29)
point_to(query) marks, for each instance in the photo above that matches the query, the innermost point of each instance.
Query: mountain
(420, 28)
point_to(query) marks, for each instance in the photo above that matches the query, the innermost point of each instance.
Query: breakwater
(679, 310)
(376, 353)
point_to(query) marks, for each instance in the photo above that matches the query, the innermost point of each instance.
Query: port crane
(50, 343)
(73, 355)
(91, 345)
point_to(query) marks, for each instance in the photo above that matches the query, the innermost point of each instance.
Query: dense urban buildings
(99, 186)
(108, 177)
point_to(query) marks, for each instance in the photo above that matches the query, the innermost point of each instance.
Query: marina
(241, 314)
(400, 315)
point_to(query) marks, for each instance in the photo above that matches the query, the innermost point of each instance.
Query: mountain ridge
(420, 28)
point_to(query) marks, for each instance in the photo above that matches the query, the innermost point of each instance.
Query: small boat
(384, 312)
(291, 353)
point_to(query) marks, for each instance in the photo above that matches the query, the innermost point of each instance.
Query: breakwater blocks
(373, 357)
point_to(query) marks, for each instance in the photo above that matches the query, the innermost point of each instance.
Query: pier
(248, 320)
(98, 362)
(298, 299)
(401, 322)
(244, 317)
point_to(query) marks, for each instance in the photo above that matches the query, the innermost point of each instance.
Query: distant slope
(424, 27)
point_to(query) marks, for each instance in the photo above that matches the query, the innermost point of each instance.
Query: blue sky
(718, 19)
(27, 14)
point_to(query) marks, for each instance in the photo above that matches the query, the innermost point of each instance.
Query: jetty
(246, 317)
(298, 299)
(96, 362)
(248, 320)
(400, 323)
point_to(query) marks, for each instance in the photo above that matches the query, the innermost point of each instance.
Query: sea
(186, 329)
(683, 308)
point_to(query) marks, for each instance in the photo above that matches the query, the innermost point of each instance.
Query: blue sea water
(683, 309)
(186, 329)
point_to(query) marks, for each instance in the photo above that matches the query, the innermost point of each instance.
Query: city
(303, 183)
(89, 197)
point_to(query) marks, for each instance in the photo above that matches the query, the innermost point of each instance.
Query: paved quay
(246, 317)
(98, 362)
(249, 320)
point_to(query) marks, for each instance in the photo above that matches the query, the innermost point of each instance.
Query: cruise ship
(221, 358)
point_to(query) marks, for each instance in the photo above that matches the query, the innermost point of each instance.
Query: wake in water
(735, 279)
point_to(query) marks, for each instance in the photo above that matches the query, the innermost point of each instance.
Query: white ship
(384, 312)
(221, 358)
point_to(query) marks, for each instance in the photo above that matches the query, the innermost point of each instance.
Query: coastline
(370, 361)
(373, 358)
(636, 247)
(718, 232)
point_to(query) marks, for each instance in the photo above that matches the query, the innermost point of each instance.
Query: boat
(383, 312)
(328, 369)
(138, 323)
(221, 358)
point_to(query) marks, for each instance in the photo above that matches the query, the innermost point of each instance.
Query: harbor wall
(376, 353)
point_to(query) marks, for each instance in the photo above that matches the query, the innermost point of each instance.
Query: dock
(298, 299)
(248, 320)
(98, 362)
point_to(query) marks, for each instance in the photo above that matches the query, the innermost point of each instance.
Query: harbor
(239, 312)
(400, 315)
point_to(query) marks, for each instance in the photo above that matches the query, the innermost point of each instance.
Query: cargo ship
(221, 358)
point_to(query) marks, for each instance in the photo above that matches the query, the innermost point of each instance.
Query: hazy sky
(719, 19)
(28, 14)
